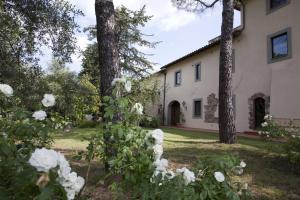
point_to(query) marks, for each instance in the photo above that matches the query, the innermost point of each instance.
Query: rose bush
(28, 171)
(135, 156)
(271, 129)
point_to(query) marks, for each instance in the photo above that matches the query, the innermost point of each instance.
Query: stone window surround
(251, 107)
(175, 83)
(210, 109)
(196, 116)
(270, 10)
(269, 45)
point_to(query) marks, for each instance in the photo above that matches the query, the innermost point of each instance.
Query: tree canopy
(130, 38)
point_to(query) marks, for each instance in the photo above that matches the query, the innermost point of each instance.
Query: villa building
(266, 73)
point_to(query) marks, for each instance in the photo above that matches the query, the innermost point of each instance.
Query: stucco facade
(274, 84)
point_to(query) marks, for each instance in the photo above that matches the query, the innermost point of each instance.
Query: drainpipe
(164, 97)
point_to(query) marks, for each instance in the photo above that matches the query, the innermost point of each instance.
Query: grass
(268, 173)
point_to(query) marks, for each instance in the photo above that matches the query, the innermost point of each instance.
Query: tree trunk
(226, 119)
(107, 45)
(108, 58)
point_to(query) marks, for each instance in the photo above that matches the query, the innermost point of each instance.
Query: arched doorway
(174, 113)
(259, 111)
(259, 105)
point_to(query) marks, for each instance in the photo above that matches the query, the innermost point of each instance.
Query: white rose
(127, 85)
(219, 176)
(78, 184)
(264, 124)
(243, 164)
(161, 165)
(121, 80)
(43, 159)
(70, 194)
(188, 175)
(137, 108)
(158, 151)
(6, 90)
(39, 115)
(158, 135)
(48, 100)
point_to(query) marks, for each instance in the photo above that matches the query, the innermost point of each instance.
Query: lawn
(269, 174)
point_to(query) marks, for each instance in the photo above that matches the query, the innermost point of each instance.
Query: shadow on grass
(269, 174)
(276, 147)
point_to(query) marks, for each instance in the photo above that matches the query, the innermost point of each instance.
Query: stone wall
(210, 109)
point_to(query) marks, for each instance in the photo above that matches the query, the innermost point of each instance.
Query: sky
(179, 32)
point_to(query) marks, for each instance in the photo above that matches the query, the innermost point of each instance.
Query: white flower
(39, 115)
(6, 90)
(268, 117)
(243, 164)
(89, 117)
(161, 165)
(43, 159)
(219, 176)
(48, 100)
(158, 135)
(127, 85)
(137, 108)
(122, 80)
(188, 175)
(158, 151)
(264, 124)
(170, 174)
(238, 170)
(79, 184)
(70, 194)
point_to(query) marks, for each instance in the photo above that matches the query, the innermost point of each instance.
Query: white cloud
(165, 16)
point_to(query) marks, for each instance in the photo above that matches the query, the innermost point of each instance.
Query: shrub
(149, 122)
(292, 148)
(135, 156)
(270, 129)
(87, 124)
(27, 169)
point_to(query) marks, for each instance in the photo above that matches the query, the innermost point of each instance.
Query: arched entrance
(259, 105)
(174, 113)
(259, 111)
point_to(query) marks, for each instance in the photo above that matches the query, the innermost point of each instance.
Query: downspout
(164, 97)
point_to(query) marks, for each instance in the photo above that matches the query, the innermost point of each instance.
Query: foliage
(271, 129)
(134, 158)
(149, 122)
(44, 174)
(76, 96)
(87, 124)
(292, 148)
(133, 62)
(26, 25)
(18, 179)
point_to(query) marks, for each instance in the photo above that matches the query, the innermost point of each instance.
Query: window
(197, 72)
(177, 78)
(273, 5)
(198, 108)
(279, 46)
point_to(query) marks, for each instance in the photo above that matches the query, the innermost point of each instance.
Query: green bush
(150, 122)
(87, 124)
(292, 148)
